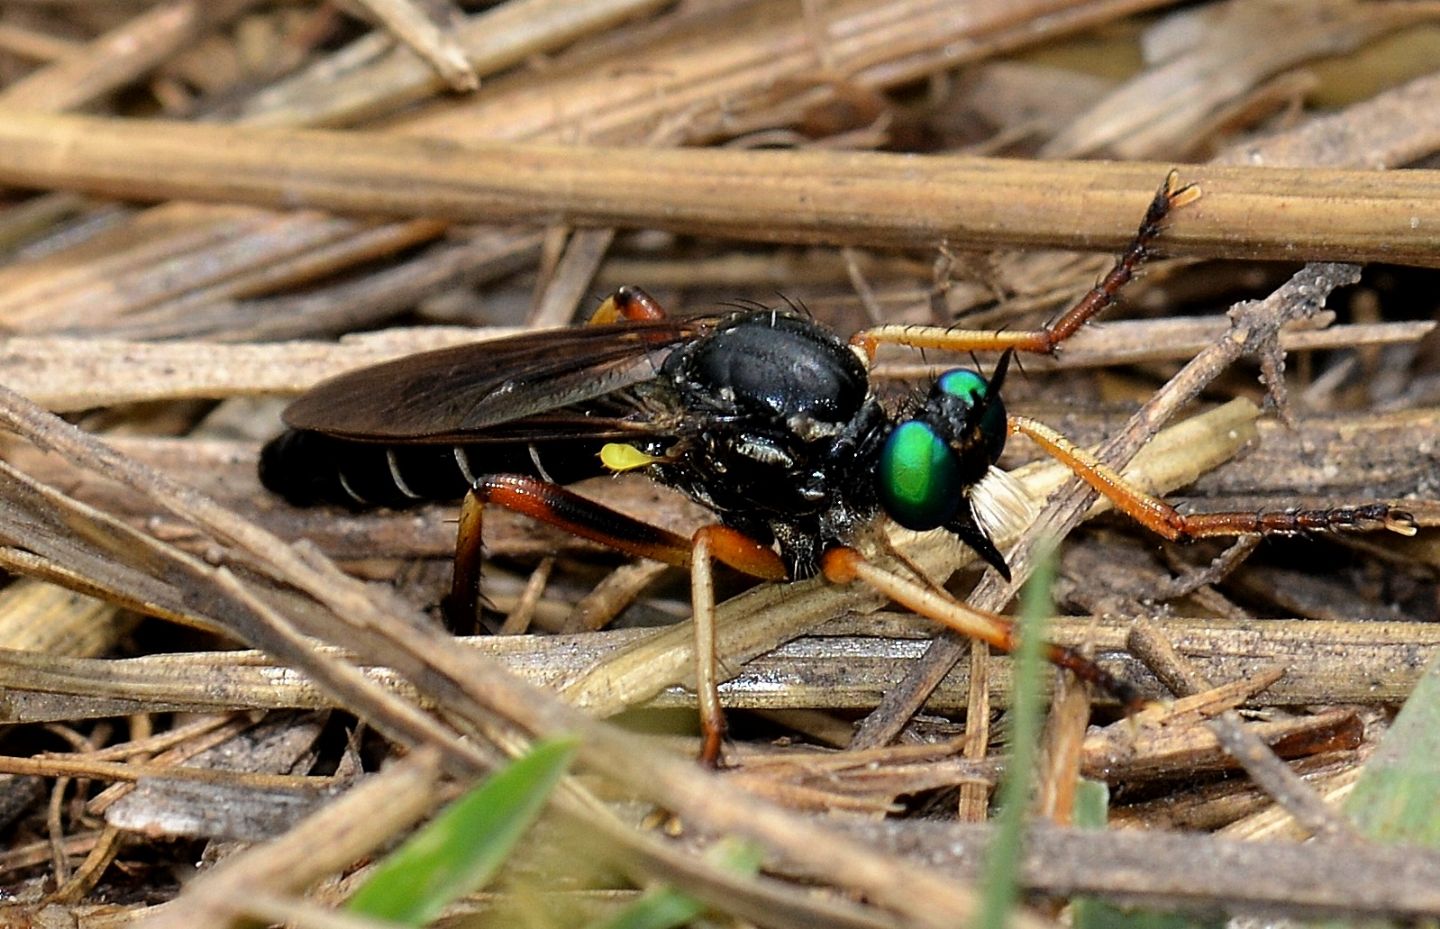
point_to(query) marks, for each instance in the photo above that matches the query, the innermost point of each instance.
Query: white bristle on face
(1001, 504)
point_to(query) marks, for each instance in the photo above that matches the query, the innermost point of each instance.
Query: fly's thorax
(770, 402)
(776, 366)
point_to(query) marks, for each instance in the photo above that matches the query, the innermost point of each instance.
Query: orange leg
(552, 504)
(842, 565)
(739, 551)
(1044, 341)
(1163, 519)
(577, 515)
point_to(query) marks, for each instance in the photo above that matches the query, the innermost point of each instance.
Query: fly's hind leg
(554, 505)
(1044, 341)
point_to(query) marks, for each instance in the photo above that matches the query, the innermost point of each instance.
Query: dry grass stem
(794, 196)
(1363, 662)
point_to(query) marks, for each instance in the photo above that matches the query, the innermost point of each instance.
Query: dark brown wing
(552, 381)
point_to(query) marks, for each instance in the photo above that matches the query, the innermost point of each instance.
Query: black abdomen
(309, 468)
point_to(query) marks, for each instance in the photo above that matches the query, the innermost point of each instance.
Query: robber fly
(765, 417)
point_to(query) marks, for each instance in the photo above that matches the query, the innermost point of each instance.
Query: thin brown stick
(1263, 766)
(410, 23)
(119, 56)
(64, 373)
(810, 196)
(1175, 871)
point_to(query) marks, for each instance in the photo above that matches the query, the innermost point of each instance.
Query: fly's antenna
(997, 379)
(1010, 355)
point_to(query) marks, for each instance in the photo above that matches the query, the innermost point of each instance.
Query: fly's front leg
(842, 565)
(1163, 519)
(1044, 341)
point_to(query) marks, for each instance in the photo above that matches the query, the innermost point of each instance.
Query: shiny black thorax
(779, 434)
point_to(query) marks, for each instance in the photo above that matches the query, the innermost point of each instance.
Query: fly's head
(937, 466)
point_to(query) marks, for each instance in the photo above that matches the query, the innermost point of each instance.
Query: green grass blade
(1397, 799)
(1002, 866)
(1092, 804)
(666, 907)
(462, 848)
(1091, 810)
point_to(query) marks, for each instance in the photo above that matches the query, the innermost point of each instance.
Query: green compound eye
(919, 477)
(967, 385)
(975, 391)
